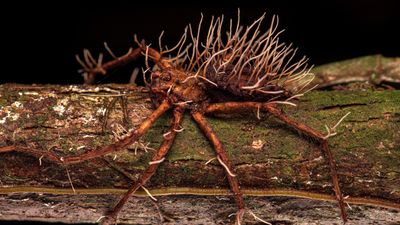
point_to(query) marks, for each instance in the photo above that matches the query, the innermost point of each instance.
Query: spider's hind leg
(229, 107)
(318, 136)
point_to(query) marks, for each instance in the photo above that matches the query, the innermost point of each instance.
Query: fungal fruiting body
(240, 69)
(247, 62)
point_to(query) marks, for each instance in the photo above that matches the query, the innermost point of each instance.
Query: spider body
(167, 83)
(246, 70)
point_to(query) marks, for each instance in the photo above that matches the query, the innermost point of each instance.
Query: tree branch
(266, 155)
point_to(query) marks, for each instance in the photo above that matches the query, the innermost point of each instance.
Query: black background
(42, 39)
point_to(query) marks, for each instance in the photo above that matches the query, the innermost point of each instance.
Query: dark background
(42, 39)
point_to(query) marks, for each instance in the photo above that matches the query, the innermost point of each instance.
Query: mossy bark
(266, 154)
(363, 72)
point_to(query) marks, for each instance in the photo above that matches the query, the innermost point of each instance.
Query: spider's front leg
(95, 153)
(272, 108)
(223, 159)
(158, 157)
(92, 67)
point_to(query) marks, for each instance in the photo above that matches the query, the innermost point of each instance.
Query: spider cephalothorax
(246, 69)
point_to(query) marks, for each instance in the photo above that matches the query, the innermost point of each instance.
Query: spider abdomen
(229, 82)
(247, 62)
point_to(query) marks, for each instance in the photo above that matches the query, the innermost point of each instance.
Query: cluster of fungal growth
(247, 62)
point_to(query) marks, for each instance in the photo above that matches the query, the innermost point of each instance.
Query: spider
(246, 69)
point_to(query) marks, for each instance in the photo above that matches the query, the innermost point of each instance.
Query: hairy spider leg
(151, 169)
(275, 111)
(95, 153)
(223, 159)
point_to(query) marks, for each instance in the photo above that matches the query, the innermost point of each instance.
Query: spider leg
(151, 169)
(91, 71)
(275, 111)
(94, 153)
(223, 159)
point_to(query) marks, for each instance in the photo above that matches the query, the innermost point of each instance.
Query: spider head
(161, 80)
(169, 83)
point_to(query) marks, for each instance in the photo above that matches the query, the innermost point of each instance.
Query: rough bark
(359, 73)
(269, 158)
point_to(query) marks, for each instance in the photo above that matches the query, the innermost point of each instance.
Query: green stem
(203, 191)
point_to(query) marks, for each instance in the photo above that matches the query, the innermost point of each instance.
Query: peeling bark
(266, 155)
